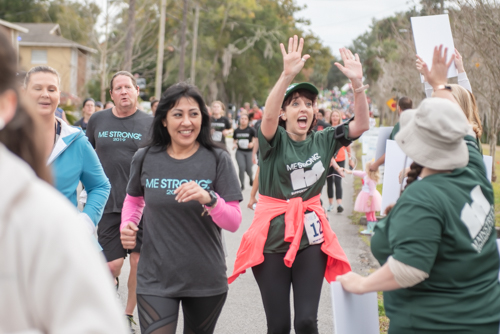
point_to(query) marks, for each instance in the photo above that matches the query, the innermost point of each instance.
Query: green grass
(496, 185)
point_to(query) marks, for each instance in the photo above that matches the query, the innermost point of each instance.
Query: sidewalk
(243, 312)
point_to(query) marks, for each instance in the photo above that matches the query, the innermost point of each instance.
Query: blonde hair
(41, 69)
(467, 102)
(222, 106)
(339, 113)
(374, 175)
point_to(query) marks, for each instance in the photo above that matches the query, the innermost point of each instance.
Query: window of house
(39, 56)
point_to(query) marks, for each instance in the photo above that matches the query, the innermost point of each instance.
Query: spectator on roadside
(154, 105)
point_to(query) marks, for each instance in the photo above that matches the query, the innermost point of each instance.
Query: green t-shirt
(294, 169)
(395, 130)
(444, 225)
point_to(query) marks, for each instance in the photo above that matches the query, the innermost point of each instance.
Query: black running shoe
(117, 285)
(340, 208)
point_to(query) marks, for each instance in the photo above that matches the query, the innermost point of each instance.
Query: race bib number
(243, 143)
(313, 228)
(217, 136)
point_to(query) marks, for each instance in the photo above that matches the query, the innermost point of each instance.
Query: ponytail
(413, 174)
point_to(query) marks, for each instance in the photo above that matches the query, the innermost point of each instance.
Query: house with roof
(13, 31)
(43, 44)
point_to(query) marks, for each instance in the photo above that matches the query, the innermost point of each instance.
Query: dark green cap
(301, 85)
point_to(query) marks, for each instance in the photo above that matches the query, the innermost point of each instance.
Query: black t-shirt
(181, 254)
(218, 125)
(116, 140)
(80, 123)
(243, 137)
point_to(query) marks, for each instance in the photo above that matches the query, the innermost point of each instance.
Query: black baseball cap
(301, 85)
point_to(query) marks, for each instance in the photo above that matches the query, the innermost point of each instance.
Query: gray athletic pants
(244, 160)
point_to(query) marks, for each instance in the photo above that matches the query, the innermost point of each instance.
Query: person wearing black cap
(88, 109)
(290, 242)
(99, 106)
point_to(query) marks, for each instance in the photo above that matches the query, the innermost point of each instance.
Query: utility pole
(161, 48)
(104, 56)
(195, 43)
(129, 42)
(181, 76)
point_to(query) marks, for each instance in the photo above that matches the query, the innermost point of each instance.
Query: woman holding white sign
(437, 245)
(290, 242)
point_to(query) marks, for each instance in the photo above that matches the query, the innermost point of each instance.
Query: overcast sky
(338, 22)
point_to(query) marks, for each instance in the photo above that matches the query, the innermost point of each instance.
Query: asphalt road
(243, 312)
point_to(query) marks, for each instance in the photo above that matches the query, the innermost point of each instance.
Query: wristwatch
(213, 200)
(443, 87)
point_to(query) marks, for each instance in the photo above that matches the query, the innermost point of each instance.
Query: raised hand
(352, 65)
(192, 191)
(420, 63)
(459, 62)
(293, 61)
(439, 72)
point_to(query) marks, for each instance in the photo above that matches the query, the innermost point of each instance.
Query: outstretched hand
(352, 68)
(293, 61)
(438, 75)
(459, 62)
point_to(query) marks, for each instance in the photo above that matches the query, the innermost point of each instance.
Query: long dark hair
(22, 135)
(160, 136)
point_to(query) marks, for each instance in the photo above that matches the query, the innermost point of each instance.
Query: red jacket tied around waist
(251, 248)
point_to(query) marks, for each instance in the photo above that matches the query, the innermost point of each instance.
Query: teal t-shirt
(291, 169)
(444, 225)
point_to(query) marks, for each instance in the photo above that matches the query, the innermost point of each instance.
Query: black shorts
(108, 235)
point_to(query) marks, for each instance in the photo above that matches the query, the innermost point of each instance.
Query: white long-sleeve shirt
(463, 81)
(52, 279)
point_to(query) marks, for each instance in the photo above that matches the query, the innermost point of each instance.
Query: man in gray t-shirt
(116, 134)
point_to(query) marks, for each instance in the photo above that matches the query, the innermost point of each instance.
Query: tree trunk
(161, 49)
(104, 57)
(129, 42)
(181, 76)
(195, 43)
(493, 147)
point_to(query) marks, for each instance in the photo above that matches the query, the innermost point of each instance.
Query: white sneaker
(330, 208)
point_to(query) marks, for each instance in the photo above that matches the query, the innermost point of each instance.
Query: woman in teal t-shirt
(290, 242)
(437, 246)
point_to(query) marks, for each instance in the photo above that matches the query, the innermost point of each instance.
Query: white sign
(395, 162)
(488, 164)
(354, 314)
(383, 134)
(432, 31)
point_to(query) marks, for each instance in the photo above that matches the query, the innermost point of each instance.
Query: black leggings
(158, 315)
(306, 276)
(335, 178)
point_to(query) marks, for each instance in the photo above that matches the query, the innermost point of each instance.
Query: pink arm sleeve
(132, 210)
(358, 173)
(227, 215)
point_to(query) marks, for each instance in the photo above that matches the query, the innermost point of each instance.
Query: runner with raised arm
(290, 242)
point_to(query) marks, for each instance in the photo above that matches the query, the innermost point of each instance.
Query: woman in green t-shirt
(437, 247)
(290, 242)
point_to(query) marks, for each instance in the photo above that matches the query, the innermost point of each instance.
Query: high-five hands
(420, 63)
(293, 61)
(352, 68)
(439, 72)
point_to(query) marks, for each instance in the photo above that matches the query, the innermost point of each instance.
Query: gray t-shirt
(116, 140)
(181, 254)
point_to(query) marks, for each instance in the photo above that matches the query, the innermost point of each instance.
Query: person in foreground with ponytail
(290, 242)
(437, 245)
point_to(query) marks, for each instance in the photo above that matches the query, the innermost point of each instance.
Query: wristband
(361, 89)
